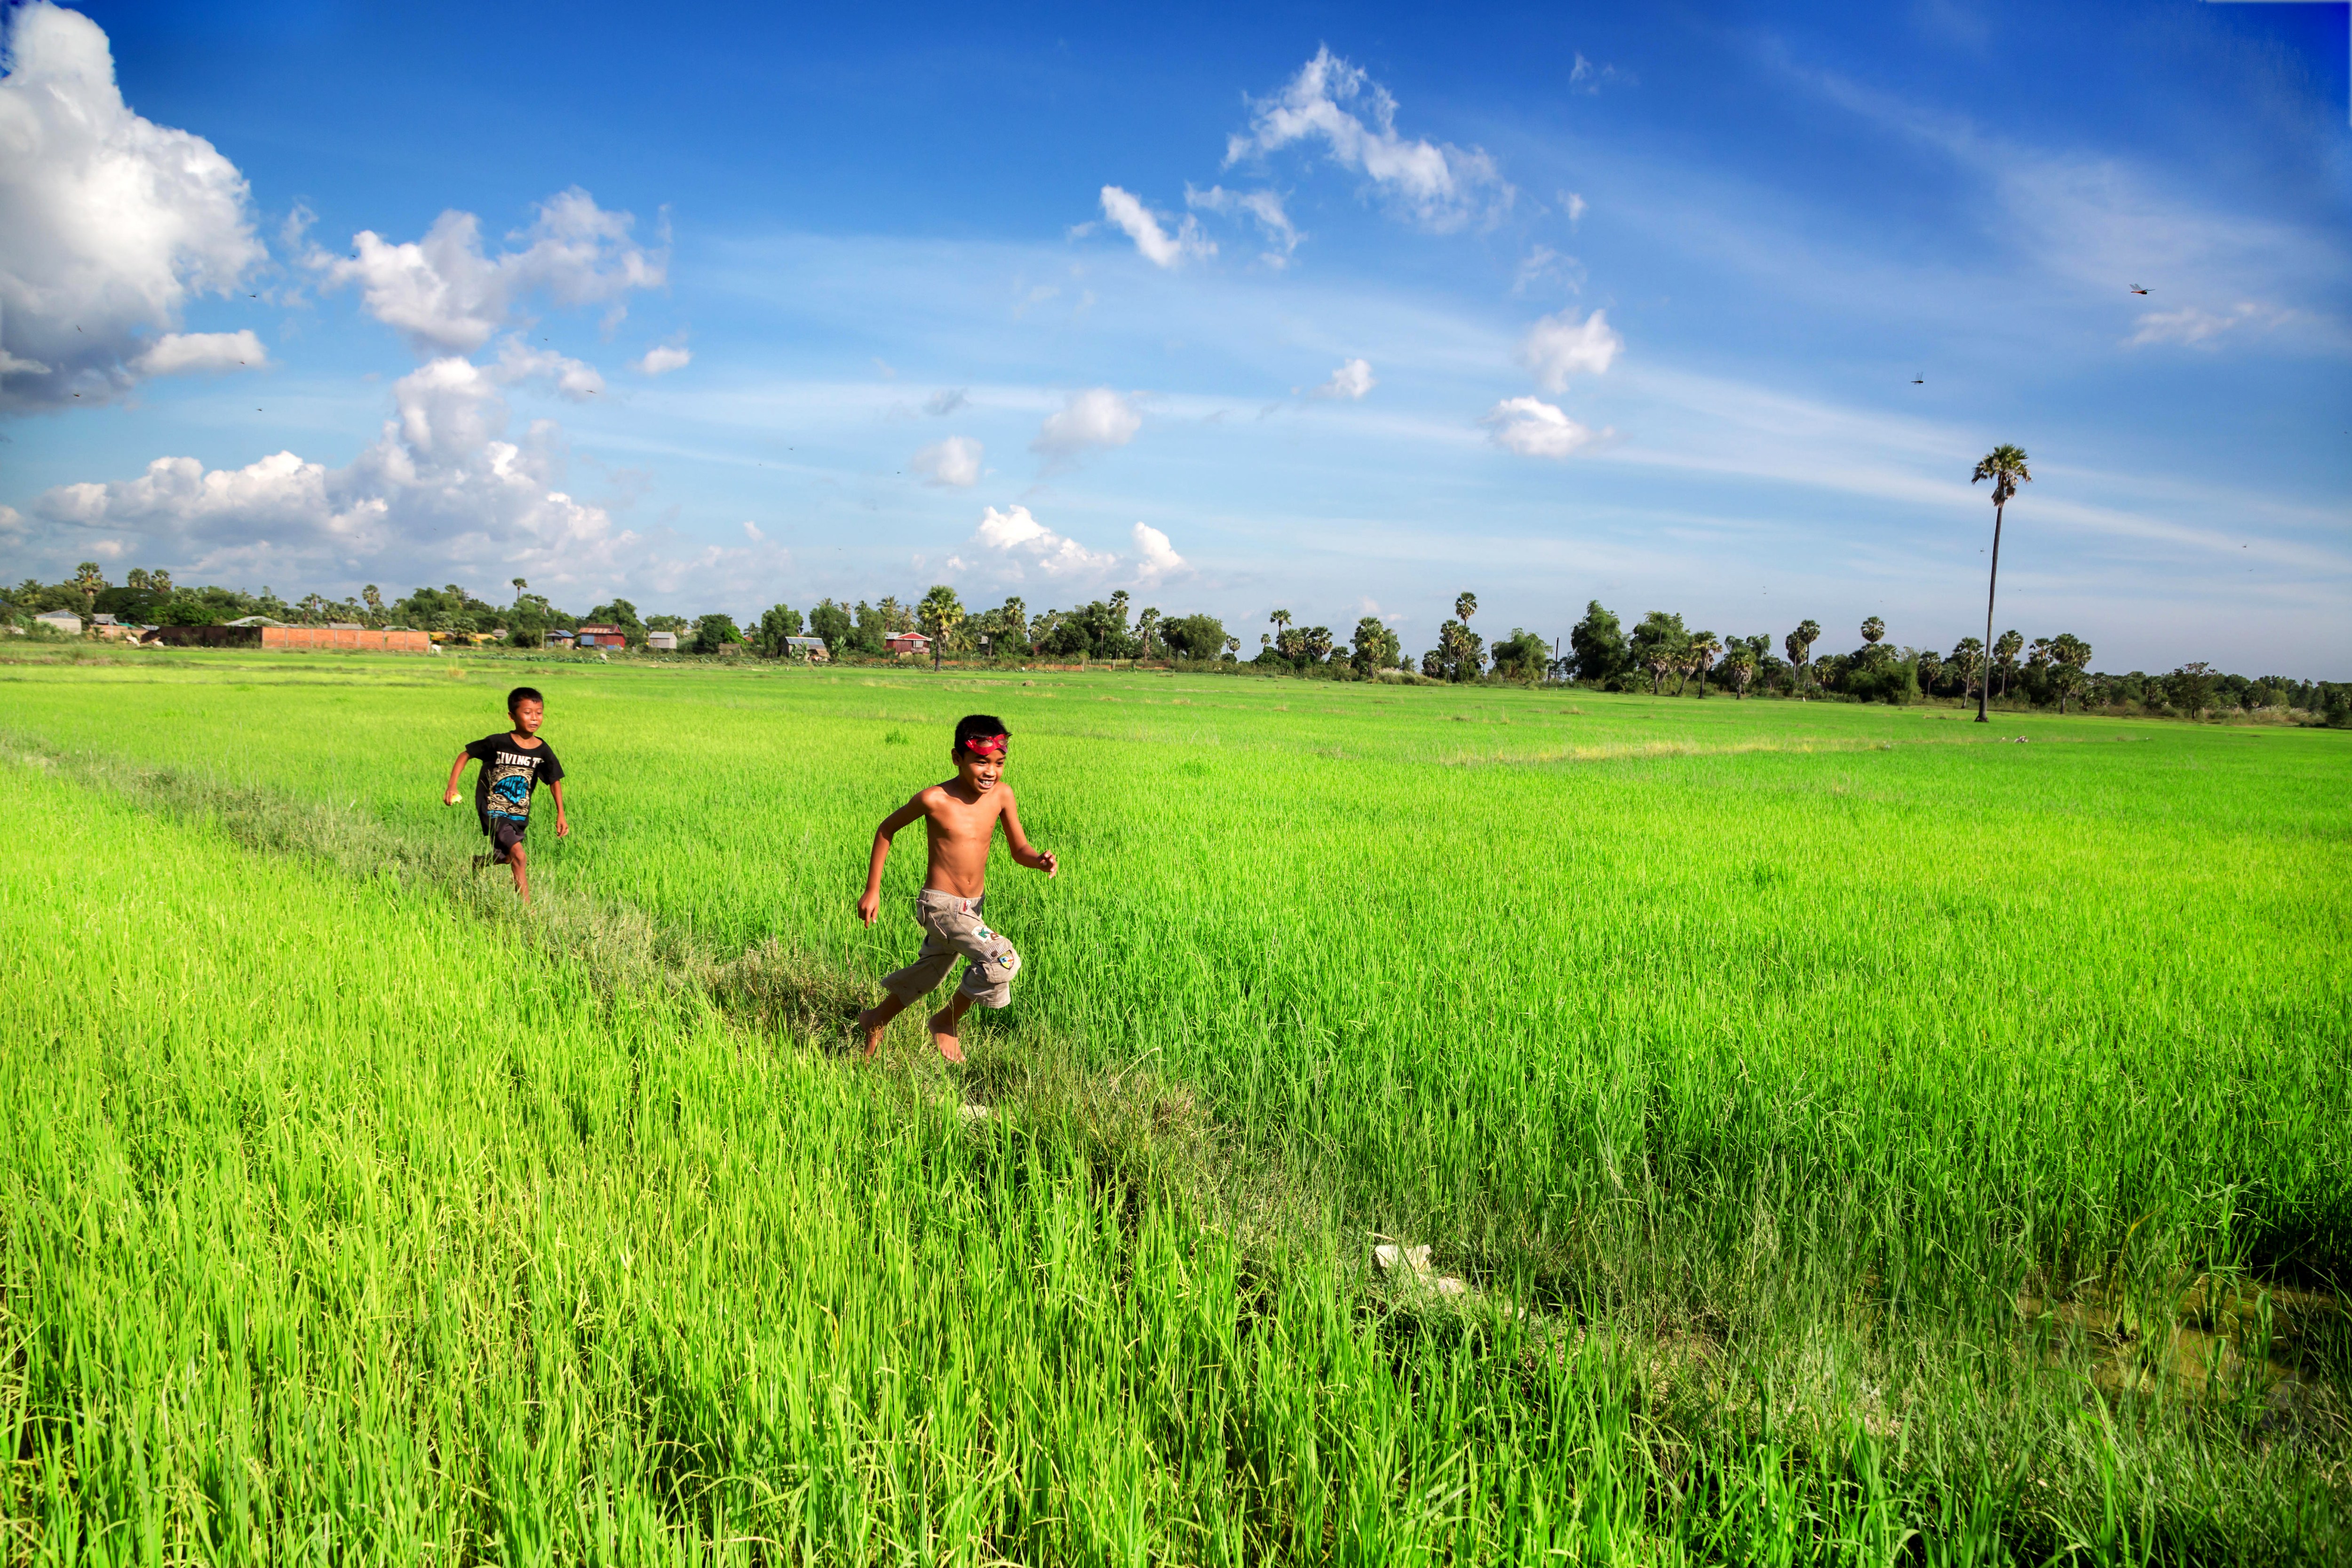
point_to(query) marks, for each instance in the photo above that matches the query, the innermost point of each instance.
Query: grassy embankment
(1852, 1126)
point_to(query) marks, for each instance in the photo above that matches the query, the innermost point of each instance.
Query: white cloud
(1534, 428)
(439, 489)
(1096, 417)
(1264, 206)
(1577, 206)
(1156, 559)
(751, 532)
(2194, 328)
(954, 461)
(1558, 347)
(109, 222)
(1013, 540)
(180, 353)
(661, 361)
(1441, 188)
(946, 401)
(1009, 545)
(1586, 76)
(1544, 266)
(1141, 225)
(572, 378)
(1351, 381)
(443, 293)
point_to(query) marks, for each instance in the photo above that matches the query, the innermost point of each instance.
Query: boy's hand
(869, 906)
(449, 799)
(1047, 864)
(561, 826)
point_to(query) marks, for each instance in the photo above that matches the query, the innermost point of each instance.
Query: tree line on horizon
(1661, 655)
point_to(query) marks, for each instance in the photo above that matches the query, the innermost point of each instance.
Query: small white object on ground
(1410, 1265)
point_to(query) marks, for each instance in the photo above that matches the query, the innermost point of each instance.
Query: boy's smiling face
(981, 772)
(528, 716)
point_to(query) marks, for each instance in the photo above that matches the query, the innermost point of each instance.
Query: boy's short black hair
(973, 725)
(522, 694)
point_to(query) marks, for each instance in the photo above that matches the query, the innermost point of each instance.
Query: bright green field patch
(1752, 1047)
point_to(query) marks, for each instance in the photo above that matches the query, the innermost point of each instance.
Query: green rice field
(1840, 1133)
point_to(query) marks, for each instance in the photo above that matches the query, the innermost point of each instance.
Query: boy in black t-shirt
(512, 765)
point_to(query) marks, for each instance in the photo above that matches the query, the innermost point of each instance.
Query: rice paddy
(1857, 1136)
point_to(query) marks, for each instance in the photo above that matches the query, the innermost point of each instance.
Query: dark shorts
(505, 833)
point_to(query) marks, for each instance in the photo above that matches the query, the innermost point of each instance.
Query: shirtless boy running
(960, 817)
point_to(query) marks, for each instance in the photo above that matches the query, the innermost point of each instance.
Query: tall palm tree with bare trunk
(2005, 467)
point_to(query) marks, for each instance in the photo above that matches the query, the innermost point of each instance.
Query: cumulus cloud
(443, 293)
(1534, 428)
(1576, 206)
(1156, 559)
(571, 378)
(181, 353)
(1156, 244)
(1010, 541)
(441, 488)
(2193, 328)
(1264, 206)
(946, 401)
(1558, 347)
(1442, 187)
(1096, 417)
(661, 361)
(1009, 545)
(954, 461)
(1351, 381)
(109, 222)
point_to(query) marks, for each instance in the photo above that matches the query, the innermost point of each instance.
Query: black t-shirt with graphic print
(509, 774)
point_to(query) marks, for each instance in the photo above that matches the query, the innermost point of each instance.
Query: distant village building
(559, 637)
(662, 642)
(813, 650)
(602, 637)
(907, 643)
(64, 621)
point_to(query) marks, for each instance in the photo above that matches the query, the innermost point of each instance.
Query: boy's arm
(555, 788)
(870, 903)
(1018, 842)
(450, 797)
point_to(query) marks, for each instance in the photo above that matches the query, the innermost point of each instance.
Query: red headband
(985, 745)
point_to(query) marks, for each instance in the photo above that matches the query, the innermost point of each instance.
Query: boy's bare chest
(956, 823)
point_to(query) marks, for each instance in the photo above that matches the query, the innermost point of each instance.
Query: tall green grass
(1841, 1116)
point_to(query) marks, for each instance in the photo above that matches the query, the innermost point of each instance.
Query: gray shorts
(952, 928)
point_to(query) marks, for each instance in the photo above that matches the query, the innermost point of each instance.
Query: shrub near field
(1850, 1125)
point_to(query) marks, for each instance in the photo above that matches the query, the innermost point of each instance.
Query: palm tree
(160, 580)
(1799, 647)
(374, 597)
(1968, 654)
(1873, 629)
(1144, 624)
(2005, 467)
(1281, 619)
(519, 586)
(2072, 652)
(1741, 668)
(942, 614)
(1931, 669)
(1465, 605)
(1704, 646)
(2004, 657)
(91, 582)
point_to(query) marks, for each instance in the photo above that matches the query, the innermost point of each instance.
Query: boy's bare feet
(874, 1022)
(943, 1033)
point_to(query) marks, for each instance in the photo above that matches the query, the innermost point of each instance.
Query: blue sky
(1336, 311)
